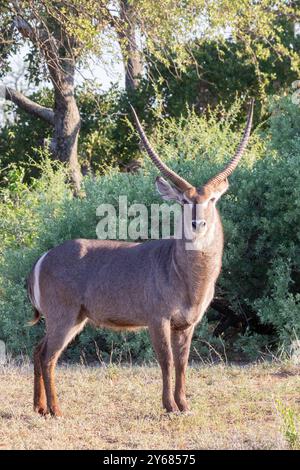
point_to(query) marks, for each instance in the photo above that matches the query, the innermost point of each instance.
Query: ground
(113, 407)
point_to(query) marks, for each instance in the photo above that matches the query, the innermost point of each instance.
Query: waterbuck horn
(238, 154)
(181, 183)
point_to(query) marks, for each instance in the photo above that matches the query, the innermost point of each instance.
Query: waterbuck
(165, 285)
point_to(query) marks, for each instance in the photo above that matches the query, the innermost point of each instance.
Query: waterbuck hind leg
(39, 397)
(57, 338)
(181, 343)
(160, 333)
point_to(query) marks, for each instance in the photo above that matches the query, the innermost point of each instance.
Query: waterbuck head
(198, 202)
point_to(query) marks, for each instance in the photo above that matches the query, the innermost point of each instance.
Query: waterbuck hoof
(41, 410)
(171, 407)
(183, 406)
(56, 412)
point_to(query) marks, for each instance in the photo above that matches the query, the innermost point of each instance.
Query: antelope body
(158, 284)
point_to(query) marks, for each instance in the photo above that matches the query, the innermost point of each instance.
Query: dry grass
(119, 408)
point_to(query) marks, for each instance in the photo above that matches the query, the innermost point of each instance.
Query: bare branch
(25, 29)
(28, 105)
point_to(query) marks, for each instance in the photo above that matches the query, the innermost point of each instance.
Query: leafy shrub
(262, 259)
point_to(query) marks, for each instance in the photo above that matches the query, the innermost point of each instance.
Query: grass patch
(233, 407)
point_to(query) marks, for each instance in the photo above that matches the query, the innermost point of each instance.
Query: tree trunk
(66, 129)
(64, 119)
(133, 70)
(131, 54)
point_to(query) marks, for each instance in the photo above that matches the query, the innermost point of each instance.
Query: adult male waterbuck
(160, 284)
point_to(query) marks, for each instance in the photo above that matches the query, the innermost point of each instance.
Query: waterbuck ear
(168, 192)
(219, 189)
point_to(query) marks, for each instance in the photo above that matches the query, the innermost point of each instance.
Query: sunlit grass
(119, 408)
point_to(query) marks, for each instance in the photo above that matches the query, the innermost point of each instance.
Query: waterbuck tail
(30, 293)
(35, 319)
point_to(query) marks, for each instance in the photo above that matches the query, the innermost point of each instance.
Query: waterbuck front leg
(181, 343)
(160, 333)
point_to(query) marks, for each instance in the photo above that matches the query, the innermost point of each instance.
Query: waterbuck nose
(199, 224)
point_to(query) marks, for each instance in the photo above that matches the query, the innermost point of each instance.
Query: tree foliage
(63, 34)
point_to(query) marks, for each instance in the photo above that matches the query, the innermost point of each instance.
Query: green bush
(261, 215)
(262, 259)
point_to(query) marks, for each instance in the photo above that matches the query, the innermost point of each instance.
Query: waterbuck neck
(197, 268)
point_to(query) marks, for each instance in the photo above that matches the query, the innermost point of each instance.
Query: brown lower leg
(161, 340)
(180, 391)
(48, 367)
(39, 396)
(167, 396)
(181, 341)
(58, 337)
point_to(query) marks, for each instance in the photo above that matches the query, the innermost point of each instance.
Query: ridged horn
(181, 183)
(229, 168)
